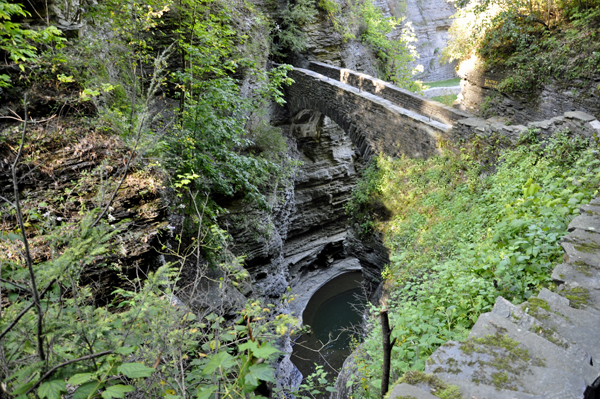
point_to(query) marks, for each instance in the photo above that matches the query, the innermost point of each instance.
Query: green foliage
(314, 385)
(217, 147)
(395, 54)
(460, 236)
(209, 143)
(444, 83)
(288, 34)
(532, 41)
(365, 198)
(389, 37)
(191, 353)
(447, 99)
(20, 44)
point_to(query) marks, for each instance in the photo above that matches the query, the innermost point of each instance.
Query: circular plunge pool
(336, 306)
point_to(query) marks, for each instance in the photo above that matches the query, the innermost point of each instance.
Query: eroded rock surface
(306, 243)
(480, 95)
(431, 21)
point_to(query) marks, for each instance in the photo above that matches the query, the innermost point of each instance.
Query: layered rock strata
(431, 20)
(305, 241)
(479, 94)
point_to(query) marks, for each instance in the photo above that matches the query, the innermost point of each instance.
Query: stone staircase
(547, 347)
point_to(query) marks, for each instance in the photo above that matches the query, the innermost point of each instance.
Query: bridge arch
(375, 125)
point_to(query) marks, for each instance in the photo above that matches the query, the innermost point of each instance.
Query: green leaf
(79, 379)
(205, 392)
(257, 373)
(135, 370)
(14, 237)
(23, 388)
(117, 391)
(221, 359)
(125, 350)
(265, 350)
(52, 389)
(88, 390)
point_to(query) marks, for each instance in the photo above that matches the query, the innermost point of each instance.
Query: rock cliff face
(306, 241)
(479, 94)
(431, 21)
(327, 45)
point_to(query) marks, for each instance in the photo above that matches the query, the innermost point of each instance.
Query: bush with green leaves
(19, 43)
(463, 233)
(140, 343)
(288, 34)
(530, 41)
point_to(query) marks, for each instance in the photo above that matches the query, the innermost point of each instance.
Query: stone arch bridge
(380, 117)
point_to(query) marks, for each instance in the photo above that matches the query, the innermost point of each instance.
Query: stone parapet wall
(441, 91)
(374, 124)
(400, 97)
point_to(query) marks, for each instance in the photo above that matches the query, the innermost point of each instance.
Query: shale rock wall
(303, 242)
(479, 94)
(431, 20)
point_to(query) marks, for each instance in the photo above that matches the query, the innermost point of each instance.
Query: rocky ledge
(547, 347)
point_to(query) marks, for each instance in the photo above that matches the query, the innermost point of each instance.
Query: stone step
(497, 361)
(542, 352)
(579, 272)
(591, 209)
(576, 326)
(484, 391)
(582, 247)
(588, 317)
(588, 220)
(553, 299)
(404, 390)
(581, 296)
(595, 201)
(535, 316)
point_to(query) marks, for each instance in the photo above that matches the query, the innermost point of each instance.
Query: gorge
(187, 184)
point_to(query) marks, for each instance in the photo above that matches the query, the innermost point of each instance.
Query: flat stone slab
(586, 222)
(590, 209)
(545, 353)
(582, 246)
(495, 366)
(483, 391)
(578, 327)
(579, 115)
(409, 391)
(581, 296)
(552, 298)
(580, 272)
(595, 125)
(542, 324)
